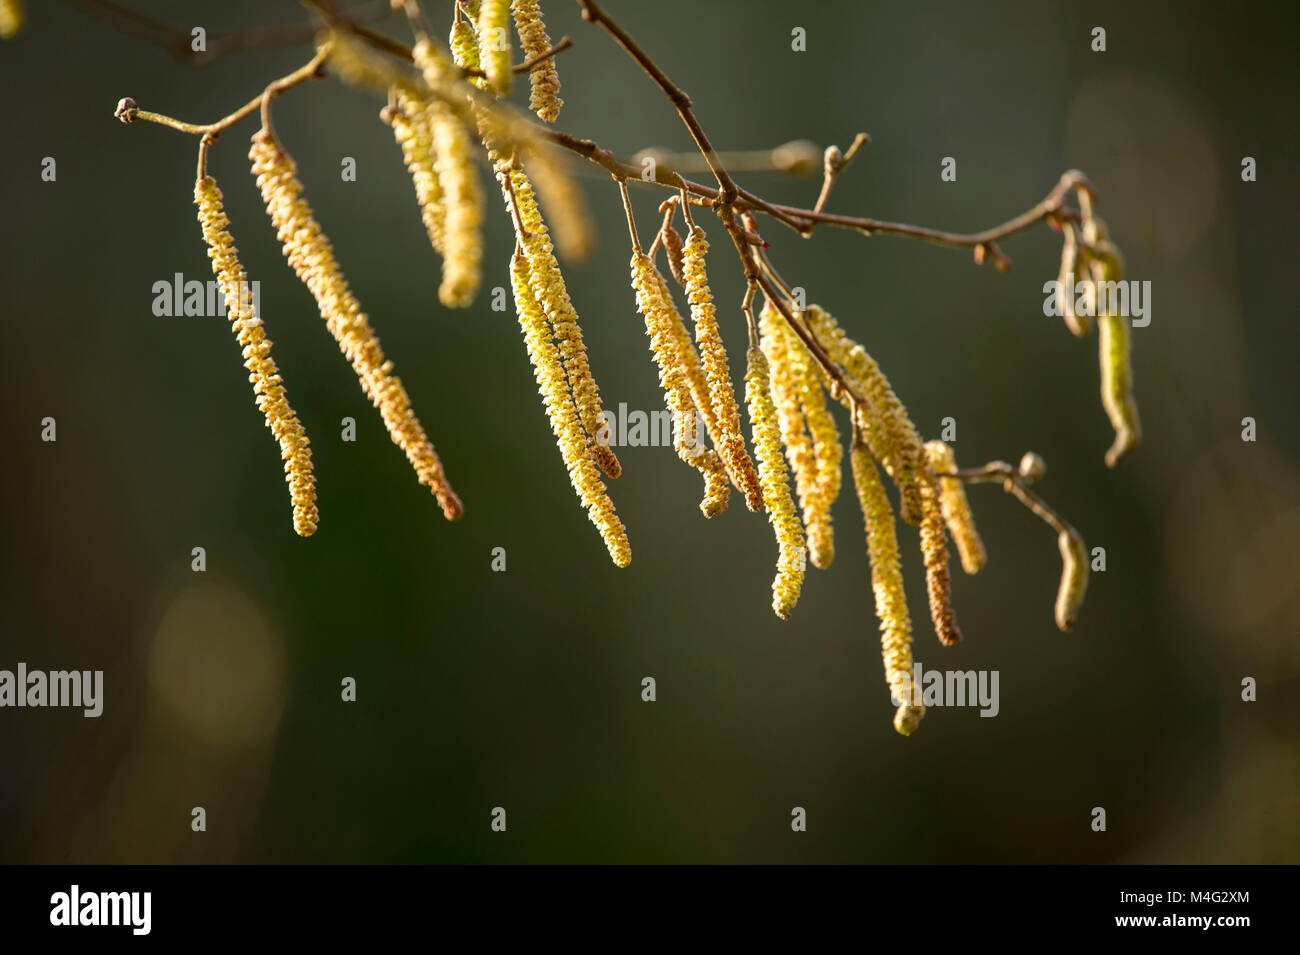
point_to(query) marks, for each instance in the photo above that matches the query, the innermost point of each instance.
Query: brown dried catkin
(310, 255)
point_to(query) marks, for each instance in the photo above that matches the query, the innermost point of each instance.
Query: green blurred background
(522, 689)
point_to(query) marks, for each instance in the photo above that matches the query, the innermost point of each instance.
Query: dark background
(522, 689)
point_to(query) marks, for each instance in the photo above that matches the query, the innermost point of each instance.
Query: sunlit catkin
(272, 400)
(794, 390)
(412, 134)
(1066, 280)
(666, 346)
(453, 159)
(792, 556)
(494, 44)
(463, 42)
(889, 431)
(543, 78)
(1074, 579)
(1117, 386)
(548, 287)
(569, 434)
(956, 508)
(887, 584)
(728, 440)
(309, 253)
(934, 553)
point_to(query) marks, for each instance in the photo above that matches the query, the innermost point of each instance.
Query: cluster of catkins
(797, 358)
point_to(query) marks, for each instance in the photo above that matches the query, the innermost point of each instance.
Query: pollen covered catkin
(494, 44)
(956, 508)
(666, 346)
(887, 584)
(548, 287)
(889, 431)
(412, 134)
(569, 434)
(272, 400)
(934, 553)
(792, 556)
(543, 78)
(1074, 579)
(793, 381)
(310, 255)
(453, 158)
(728, 438)
(463, 42)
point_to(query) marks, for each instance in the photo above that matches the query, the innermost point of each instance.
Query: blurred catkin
(494, 44)
(272, 400)
(1074, 579)
(309, 253)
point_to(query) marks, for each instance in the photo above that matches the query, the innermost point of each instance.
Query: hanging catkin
(934, 553)
(889, 431)
(786, 357)
(543, 78)
(956, 508)
(453, 160)
(412, 134)
(548, 287)
(666, 346)
(569, 434)
(728, 439)
(309, 253)
(272, 400)
(792, 556)
(1074, 579)
(887, 584)
(494, 44)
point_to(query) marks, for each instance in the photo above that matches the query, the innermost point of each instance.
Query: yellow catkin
(1066, 280)
(548, 286)
(494, 44)
(792, 556)
(551, 382)
(1106, 268)
(309, 253)
(543, 78)
(934, 553)
(828, 453)
(889, 431)
(453, 157)
(790, 369)
(887, 584)
(728, 439)
(412, 134)
(956, 508)
(1074, 579)
(272, 400)
(666, 346)
(1117, 386)
(464, 45)
(12, 18)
